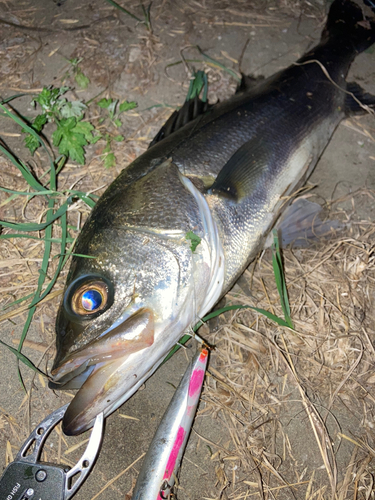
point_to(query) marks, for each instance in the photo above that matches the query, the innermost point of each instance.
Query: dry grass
(262, 377)
(296, 407)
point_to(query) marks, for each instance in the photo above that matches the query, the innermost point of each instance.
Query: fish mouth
(94, 370)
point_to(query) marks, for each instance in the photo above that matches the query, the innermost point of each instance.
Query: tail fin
(346, 20)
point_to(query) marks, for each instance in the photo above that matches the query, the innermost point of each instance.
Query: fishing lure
(158, 473)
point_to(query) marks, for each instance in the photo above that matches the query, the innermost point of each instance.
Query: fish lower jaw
(112, 384)
(141, 379)
(76, 424)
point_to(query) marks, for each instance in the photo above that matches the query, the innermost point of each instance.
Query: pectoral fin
(245, 169)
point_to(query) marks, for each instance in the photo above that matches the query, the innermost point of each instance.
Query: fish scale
(223, 177)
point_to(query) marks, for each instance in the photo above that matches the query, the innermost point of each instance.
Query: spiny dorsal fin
(194, 107)
(190, 110)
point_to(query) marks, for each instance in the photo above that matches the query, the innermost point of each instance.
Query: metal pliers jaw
(28, 478)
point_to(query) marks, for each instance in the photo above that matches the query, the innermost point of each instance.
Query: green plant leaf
(96, 138)
(31, 143)
(194, 239)
(127, 106)
(73, 108)
(74, 61)
(105, 103)
(109, 160)
(85, 128)
(69, 140)
(119, 138)
(81, 79)
(39, 122)
(49, 100)
(112, 108)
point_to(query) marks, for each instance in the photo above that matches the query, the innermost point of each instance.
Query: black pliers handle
(28, 478)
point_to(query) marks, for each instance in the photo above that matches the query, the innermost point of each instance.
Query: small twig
(118, 476)
(323, 68)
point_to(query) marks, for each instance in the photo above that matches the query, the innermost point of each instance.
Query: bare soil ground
(284, 414)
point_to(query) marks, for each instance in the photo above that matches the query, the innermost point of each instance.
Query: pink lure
(158, 472)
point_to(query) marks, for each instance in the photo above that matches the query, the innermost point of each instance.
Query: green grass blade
(42, 273)
(18, 301)
(84, 197)
(50, 217)
(270, 316)
(8, 99)
(26, 193)
(198, 83)
(280, 280)
(217, 313)
(21, 357)
(32, 226)
(117, 6)
(72, 254)
(186, 337)
(60, 162)
(217, 63)
(27, 128)
(212, 62)
(26, 173)
(10, 236)
(176, 347)
(59, 265)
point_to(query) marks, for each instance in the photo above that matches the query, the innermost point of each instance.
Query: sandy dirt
(264, 416)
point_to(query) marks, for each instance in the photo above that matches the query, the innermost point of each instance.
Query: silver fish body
(224, 177)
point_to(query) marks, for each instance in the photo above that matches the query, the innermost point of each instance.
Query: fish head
(133, 289)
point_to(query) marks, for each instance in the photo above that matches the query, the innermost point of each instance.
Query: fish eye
(90, 297)
(91, 300)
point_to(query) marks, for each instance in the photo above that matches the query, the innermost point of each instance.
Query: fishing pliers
(27, 478)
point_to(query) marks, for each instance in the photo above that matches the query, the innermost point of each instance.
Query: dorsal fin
(190, 110)
(194, 107)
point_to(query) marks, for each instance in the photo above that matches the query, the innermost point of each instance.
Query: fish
(174, 231)
(159, 468)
